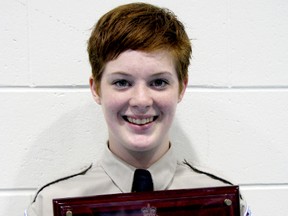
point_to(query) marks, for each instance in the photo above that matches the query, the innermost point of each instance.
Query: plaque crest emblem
(149, 210)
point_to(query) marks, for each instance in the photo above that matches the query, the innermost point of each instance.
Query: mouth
(140, 121)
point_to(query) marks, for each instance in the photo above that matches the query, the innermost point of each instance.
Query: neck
(141, 159)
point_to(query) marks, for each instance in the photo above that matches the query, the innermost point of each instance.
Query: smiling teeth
(140, 121)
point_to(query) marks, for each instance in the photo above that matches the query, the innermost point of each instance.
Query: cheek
(112, 106)
(168, 105)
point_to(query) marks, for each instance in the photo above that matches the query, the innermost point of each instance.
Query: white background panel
(48, 135)
(267, 200)
(240, 132)
(14, 202)
(14, 52)
(259, 48)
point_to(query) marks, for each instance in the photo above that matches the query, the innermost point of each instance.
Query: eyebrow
(129, 75)
(119, 73)
(163, 73)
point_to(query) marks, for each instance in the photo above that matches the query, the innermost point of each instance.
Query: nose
(141, 99)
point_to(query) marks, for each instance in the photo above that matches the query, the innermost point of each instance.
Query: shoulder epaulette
(209, 174)
(206, 173)
(61, 179)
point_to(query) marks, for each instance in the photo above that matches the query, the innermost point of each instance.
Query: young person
(139, 55)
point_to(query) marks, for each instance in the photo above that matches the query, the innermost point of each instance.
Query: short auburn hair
(138, 26)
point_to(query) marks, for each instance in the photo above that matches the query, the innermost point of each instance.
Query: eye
(159, 83)
(122, 83)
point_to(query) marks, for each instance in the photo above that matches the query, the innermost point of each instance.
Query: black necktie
(142, 181)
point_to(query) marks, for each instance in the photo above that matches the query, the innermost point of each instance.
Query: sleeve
(42, 201)
(31, 211)
(36, 205)
(244, 208)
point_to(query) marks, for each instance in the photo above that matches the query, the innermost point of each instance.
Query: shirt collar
(121, 173)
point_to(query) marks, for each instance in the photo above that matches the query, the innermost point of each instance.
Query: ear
(184, 86)
(94, 91)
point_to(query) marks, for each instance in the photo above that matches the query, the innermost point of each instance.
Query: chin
(141, 146)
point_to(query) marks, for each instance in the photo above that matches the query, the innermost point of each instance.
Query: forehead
(133, 61)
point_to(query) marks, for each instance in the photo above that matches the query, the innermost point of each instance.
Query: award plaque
(215, 201)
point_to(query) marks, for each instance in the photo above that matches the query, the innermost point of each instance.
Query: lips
(140, 121)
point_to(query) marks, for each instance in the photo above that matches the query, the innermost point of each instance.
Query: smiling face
(139, 92)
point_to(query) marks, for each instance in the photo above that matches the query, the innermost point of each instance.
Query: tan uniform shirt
(112, 175)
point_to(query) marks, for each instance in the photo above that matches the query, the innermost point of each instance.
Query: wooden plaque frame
(216, 201)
